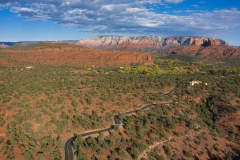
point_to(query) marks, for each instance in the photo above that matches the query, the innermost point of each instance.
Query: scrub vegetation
(41, 108)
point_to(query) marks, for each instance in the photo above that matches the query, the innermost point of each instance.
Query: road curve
(68, 146)
(68, 152)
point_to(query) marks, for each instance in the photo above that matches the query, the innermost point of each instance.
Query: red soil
(67, 54)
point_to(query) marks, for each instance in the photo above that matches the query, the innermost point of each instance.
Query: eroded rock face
(197, 42)
(201, 46)
(153, 42)
(211, 42)
(213, 50)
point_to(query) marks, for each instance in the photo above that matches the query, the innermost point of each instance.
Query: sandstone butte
(75, 55)
(210, 48)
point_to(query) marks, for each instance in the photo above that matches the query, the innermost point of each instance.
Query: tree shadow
(238, 127)
(212, 156)
(236, 156)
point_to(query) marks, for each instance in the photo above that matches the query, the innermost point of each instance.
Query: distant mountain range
(6, 44)
(151, 42)
(193, 46)
(9, 44)
(186, 45)
(137, 42)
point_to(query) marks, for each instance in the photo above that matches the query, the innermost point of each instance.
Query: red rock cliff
(152, 42)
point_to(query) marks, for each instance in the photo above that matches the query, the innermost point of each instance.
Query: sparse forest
(195, 121)
(40, 108)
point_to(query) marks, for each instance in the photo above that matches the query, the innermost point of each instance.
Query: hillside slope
(68, 54)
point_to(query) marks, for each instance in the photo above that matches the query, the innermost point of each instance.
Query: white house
(29, 68)
(192, 83)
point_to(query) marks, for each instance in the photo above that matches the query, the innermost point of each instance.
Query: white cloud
(234, 9)
(195, 6)
(135, 10)
(105, 16)
(4, 6)
(107, 7)
(174, 1)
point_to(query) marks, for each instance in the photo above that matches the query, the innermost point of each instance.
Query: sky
(28, 20)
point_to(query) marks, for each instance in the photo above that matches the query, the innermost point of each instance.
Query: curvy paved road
(68, 149)
(68, 152)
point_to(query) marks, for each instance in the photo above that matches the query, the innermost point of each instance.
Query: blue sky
(27, 20)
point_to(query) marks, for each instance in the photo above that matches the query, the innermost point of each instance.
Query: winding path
(68, 149)
(144, 154)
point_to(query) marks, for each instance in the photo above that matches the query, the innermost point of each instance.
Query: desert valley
(117, 97)
(119, 80)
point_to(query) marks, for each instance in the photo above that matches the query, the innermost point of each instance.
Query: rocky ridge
(58, 54)
(152, 42)
(192, 46)
(215, 51)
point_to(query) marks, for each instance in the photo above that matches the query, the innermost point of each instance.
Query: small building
(29, 68)
(192, 83)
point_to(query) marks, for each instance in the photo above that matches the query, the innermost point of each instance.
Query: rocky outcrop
(213, 50)
(196, 42)
(3, 45)
(152, 42)
(206, 47)
(211, 42)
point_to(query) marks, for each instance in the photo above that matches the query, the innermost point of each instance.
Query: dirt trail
(144, 154)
